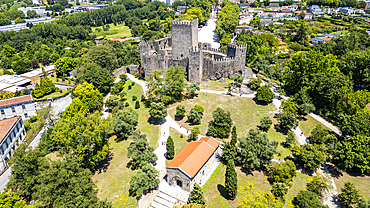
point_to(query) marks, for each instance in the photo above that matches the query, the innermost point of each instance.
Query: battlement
(237, 45)
(221, 60)
(146, 42)
(185, 21)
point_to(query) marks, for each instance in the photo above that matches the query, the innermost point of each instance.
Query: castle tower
(238, 51)
(184, 37)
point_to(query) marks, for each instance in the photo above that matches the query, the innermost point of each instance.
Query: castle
(198, 59)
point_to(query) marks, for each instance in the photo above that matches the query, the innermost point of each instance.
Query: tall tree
(65, 65)
(90, 96)
(140, 152)
(196, 196)
(231, 180)
(124, 122)
(103, 55)
(221, 124)
(256, 149)
(157, 111)
(307, 199)
(349, 194)
(101, 78)
(264, 94)
(170, 147)
(144, 179)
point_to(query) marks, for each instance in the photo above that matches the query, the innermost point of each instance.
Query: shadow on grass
(222, 191)
(304, 170)
(249, 171)
(104, 164)
(259, 102)
(179, 118)
(335, 172)
(154, 121)
(280, 130)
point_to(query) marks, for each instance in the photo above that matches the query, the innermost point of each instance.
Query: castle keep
(198, 59)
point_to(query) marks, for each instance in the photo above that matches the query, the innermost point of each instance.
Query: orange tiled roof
(6, 125)
(194, 155)
(12, 101)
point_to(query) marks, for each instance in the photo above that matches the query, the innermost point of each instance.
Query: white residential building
(18, 106)
(12, 134)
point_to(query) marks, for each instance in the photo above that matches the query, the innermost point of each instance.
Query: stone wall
(131, 69)
(174, 174)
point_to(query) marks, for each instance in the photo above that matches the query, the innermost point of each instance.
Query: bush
(134, 98)
(265, 94)
(180, 111)
(136, 75)
(142, 98)
(127, 104)
(265, 123)
(199, 109)
(137, 105)
(181, 136)
(133, 83)
(123, 76)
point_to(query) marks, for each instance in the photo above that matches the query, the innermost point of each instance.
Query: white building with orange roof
(12, 134)
(18, 106)
(192, 163)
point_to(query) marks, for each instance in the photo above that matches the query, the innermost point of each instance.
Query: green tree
(26, 165)
(302, 15)
(250, 196)
(112, 101)
(302, 34)
(11, 199)
(194, 133)
(265, 123)
(103, 55)
(157, 111)
(170, 146)
(264, 94)
(307, 199)
(101, 78)
(349, 194)
(357, 124)
(255, 83)
(65, 182)
(351, 102)
(90, 96)
(290, 106)
(221, 124)
(229, 151)
(140, 152)
(124, 122)
(282, 172)
(174, 84)
(290, 139)
(302, 67)
(279, 190)
(70, 133)
(144, 179)
(287, 120)
(180, 111)
(309, 156)
(192, 88)
(194, 117)
(196, 196)
(65, 65)
(199, 109)
(319, 183)
(21, 65)
(231, 180)
(137, 104)
(256, 149)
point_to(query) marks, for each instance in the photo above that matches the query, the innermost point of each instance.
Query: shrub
(127, 104)
(137, 105)
(134, 98)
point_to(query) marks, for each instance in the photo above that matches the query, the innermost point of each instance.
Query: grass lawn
(214, 85)
(362, 183)
(54, 94)
(214, 190)
(17, 5)
(275, 135)
(114, 178)
(118, 31)
(180, 143)
(10, 70)
(245, 113)
(308, 123)
(54, 79)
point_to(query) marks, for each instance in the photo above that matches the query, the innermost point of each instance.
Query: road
(207, 34)
(59, 106)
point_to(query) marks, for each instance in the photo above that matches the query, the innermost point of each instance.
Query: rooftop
(16, 100)
(38, 72)
(13, 79)
(6, 125)
(194, 155)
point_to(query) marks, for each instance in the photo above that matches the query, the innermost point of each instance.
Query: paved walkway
(208, 34)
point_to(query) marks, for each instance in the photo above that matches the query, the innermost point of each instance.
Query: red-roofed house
(18, 106)
(191, 163)
(12, 133)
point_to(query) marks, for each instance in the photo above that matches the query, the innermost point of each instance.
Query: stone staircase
(169, 196)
